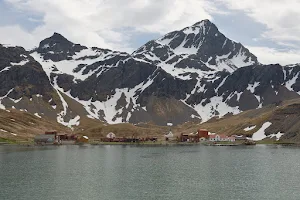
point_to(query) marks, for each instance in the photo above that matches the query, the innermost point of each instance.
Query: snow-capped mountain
(110, 86)
(192, 74)
(200, 49)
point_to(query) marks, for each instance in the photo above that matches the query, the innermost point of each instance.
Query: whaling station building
(203, 135)
(53, 137)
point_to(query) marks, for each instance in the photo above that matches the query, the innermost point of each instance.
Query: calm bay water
(165, 172)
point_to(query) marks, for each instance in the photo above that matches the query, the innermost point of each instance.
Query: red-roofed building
(203, 133)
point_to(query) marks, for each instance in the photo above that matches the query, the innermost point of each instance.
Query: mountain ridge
(193, 74)
(200, 46)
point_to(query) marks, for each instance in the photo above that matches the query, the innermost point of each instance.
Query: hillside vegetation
(285, 118)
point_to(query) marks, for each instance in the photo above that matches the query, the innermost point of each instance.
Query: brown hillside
(285, 118)
(21, 126)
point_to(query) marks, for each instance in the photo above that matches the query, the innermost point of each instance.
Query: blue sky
(269, 28)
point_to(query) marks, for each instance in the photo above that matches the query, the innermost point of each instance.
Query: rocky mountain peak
(198, 48)
(204, 22)
(204, 25)
(55, 40)
(192, 37)
(58, 36)
(58, 48)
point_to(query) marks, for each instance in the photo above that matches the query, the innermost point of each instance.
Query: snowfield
(260, 134)
(250, 128)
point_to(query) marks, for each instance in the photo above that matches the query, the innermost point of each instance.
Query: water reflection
(166, 172)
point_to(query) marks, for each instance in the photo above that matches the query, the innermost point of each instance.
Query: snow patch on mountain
(291, 82)
(277, 135)
(37, 115)
(183, 50)
(293, 65)
(48, 70)
(21, 63)
(216, 107)
(74, 122)
(103, 109)
(260, 134)
(85, 57)
(258, 98)
(240, 59)
(109, 107)
(252, 87)
(250, 128)
(182, 73)
(16, 100)
(5, 69)
(222, 83)
(3, 97)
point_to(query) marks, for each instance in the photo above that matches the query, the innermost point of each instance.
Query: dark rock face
(166, 86)
(192, 63)
(25, 85)
(248, 101)
(268, 80)
(163, 110)
(127, 75)
(58, 48)
(22, 75)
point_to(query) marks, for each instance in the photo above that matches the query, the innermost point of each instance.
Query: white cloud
(281, 17)
(271, 56)
(104, 23)
(11, 35)
(114, 23)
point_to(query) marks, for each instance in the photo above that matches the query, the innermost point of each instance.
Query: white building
(221, 138)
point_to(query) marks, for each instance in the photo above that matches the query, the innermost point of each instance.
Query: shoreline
(155, 144)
